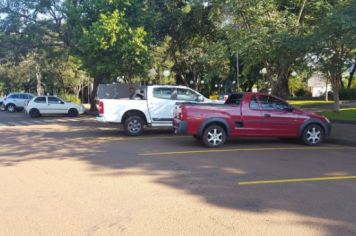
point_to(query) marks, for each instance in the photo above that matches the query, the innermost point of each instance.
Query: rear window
(40, 100)
(234, 99)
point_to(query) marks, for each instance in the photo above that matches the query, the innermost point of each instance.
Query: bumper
(180, 127)
(100, 119)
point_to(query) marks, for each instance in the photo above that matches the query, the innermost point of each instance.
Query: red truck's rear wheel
(214, 136)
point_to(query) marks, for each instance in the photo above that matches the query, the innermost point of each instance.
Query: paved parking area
(21, 119)
(83, 178)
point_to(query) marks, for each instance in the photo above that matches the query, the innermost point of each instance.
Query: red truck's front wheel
(214, 136)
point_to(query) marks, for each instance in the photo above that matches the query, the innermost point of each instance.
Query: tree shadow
(213, 177)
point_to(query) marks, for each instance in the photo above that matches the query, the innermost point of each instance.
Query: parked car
(151, 106)
(45, 105)
(249, 115)
(16, 101)
(1, 102)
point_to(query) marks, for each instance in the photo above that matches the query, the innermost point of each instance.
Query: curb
(350, 122)
(341, 142)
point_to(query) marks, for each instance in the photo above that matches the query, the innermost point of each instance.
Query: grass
(309, 102)
(346, 114)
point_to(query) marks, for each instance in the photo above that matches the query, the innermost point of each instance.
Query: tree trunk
(335, 83)
(280, 87)
(341, 82)
(97, 81)
(351, 76)
(38, 80)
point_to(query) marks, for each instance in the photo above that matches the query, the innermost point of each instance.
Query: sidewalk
(343, 133)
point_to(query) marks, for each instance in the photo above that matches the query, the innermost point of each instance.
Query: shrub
(302, 92)
(347, 94)
(70, 98)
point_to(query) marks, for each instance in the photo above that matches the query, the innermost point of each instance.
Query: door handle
(267, 115)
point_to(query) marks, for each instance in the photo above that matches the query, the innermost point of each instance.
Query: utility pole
(237, 72)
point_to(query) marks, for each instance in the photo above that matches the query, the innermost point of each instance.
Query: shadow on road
(212, 177)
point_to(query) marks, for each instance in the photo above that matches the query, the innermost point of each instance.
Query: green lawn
(347, 114)
(309, 102)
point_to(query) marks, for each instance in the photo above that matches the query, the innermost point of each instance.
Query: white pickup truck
(149, 106)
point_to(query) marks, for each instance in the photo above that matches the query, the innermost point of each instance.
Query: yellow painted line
(244, 150)
(276, 181)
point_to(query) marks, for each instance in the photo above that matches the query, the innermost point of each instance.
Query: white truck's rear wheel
(134, 125)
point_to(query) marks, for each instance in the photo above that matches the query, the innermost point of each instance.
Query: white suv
(43, 105)
(16, 101)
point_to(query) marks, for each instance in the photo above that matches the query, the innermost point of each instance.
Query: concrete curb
(350, 122)
(341, 141)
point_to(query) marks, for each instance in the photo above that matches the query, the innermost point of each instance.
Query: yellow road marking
(243, 149)
(276, 181)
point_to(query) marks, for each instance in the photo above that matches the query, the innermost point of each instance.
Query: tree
(109, 39)
(30, 29)
(334, 43)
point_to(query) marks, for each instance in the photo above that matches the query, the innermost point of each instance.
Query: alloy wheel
(134, 126)
(313, 135)
(215, 136)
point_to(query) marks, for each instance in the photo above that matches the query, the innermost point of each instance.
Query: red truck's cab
(249, 115)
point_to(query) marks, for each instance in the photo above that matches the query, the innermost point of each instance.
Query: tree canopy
(210, 45)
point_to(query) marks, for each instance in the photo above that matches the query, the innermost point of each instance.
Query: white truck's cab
(151, 106)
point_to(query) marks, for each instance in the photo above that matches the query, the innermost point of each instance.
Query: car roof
(167, 86)
(19, 93)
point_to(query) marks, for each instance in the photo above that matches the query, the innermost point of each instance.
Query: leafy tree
(334, 43)
(109, 38)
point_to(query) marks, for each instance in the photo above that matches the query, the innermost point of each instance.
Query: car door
(252, 118)
(56, 105)
(41, 104)
(276, 119)
(21, 101)
(161, 106)
(15, 99)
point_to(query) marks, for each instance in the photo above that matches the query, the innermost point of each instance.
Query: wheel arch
(133, 112)
(215, 121)
(71, 108)
(10, 103)
(313, 122)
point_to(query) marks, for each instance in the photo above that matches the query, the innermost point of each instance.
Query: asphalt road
(82, 178)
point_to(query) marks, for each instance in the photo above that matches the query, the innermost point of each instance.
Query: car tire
(34, 113)
(313, 135)
(11, 108)
(73, 112)
(134, 125)
(214, 136)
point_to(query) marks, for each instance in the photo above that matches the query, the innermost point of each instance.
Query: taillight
(101, 108)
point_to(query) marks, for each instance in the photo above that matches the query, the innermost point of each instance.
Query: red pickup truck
(249, 115)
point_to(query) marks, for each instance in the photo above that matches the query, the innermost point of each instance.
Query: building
(318, 84)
